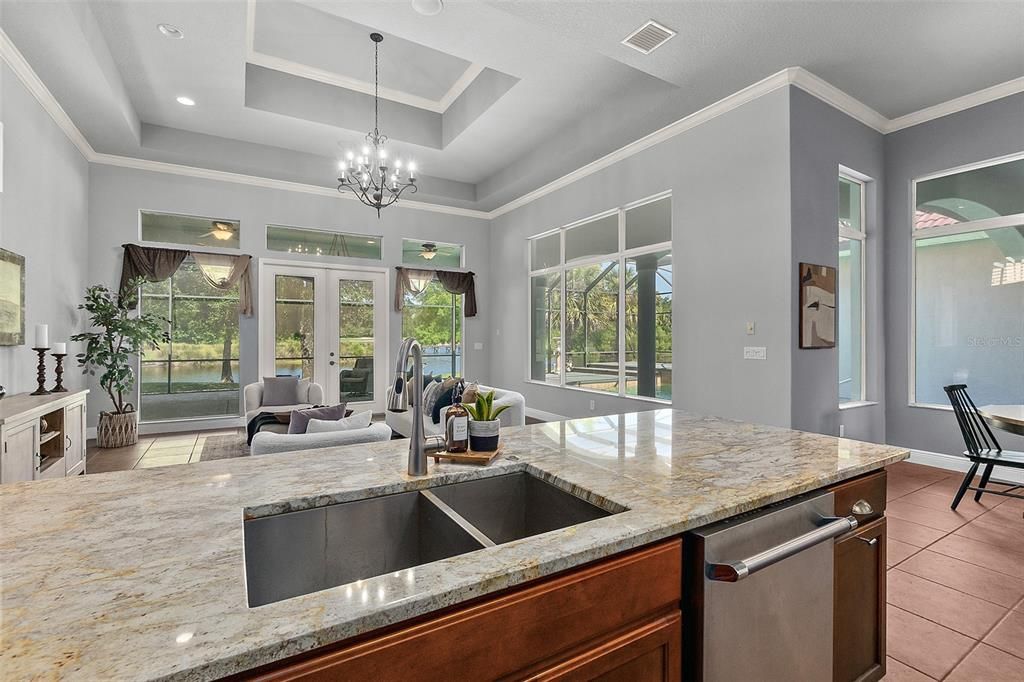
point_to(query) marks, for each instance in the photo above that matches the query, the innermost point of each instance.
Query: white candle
(42, 336)
(60, 349)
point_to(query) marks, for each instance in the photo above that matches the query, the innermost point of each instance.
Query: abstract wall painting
(12, 298)
(817, 306)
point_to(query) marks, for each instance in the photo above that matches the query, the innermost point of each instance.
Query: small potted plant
(120, 336)
(484, 425)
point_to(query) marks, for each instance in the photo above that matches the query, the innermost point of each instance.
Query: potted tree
(119, 336)
(484, 427)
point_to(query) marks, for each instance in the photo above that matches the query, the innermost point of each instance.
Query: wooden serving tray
(470, 457)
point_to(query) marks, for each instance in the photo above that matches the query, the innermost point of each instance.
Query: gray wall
(43, 218)
(984, 132)
(821, 139)
(117, 194)
(731, 260)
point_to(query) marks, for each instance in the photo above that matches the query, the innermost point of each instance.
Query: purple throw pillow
(300, 418)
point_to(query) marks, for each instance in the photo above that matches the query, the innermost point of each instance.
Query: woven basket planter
(117, 430)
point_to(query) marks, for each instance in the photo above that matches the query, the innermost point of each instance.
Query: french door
(328, 325)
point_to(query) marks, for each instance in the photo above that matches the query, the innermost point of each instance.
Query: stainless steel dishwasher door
(768, 593)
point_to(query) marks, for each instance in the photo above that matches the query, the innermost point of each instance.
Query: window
(169, 228)
(968, 239)
(850, 290)
(434, 318)
(323, 243)
(601, 303)
(294, 310)
(196, 373)
(422, 253)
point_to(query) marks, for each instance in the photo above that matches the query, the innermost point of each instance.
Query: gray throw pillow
(280, 390)
(300, 418)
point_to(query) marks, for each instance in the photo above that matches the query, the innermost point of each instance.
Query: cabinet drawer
(869, 489)
(511, 632)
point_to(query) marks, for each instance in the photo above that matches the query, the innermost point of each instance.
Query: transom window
(172, 228)
(601, 303)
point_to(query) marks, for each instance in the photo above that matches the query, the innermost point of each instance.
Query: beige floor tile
(994, 557)
(922, 644)
(912, 533)
(1009, 635)
(988, 664)
(944, 520)
(897, 550)
(943, 605)
(978, 581)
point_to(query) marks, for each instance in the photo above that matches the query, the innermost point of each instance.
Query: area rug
(224, 447)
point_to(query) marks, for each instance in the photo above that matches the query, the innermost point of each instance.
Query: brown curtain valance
(151, 264)
(220, 271)
(415, 280)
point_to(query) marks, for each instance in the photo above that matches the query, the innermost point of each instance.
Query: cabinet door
(859, 631)
(18, 459)
(74, 438)
(648, 653)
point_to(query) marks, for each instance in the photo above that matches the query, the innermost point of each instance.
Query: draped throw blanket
(221, 271)
(415, 280)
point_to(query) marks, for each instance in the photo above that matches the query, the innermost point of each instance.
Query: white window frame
(563, 268)
(861, 236)
(960, 228)
(306, 254)
(211, 248)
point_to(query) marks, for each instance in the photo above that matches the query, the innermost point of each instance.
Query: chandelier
(368, 176)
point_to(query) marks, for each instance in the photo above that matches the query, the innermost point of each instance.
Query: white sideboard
(30, 453)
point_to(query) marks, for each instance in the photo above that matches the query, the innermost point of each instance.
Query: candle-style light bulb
(366, 150)
(349, 155)
(412, 170)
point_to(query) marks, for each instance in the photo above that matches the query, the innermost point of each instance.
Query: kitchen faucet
(398, 401)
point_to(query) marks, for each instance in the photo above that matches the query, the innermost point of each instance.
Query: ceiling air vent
(648, 37)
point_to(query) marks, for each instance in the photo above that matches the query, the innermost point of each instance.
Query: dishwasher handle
(731, 571)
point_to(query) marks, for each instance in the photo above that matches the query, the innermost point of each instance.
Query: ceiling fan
(221, 231)
(429, 251)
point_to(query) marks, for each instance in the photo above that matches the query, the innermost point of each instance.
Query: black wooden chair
(982, 447)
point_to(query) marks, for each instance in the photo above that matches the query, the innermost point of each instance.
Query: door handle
(732, 571)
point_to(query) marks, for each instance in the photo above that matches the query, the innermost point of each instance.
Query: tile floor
(151, 451)
(955, 579)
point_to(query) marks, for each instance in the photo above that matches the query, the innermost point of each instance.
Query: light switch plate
(755, 353)
(478, 345)
(750, 328)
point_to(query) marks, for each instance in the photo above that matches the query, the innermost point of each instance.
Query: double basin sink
(306, 551)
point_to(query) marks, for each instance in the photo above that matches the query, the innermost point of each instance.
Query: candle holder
(41, 372)
(59, 370)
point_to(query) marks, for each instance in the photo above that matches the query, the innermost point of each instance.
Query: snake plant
(483, 410)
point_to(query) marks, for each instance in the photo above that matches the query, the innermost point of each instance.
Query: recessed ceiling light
(171, 31)
(187, 101)
(428, 8)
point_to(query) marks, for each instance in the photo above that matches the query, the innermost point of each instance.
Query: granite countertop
(139, 574)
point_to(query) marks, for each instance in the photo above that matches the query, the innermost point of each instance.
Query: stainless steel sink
(306, 551)
(506, 508)
(297, 553)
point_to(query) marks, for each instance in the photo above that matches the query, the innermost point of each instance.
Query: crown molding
(793, 76)
(1011, 87)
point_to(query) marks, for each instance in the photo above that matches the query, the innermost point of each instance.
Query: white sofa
(252, 397)
(515, 415)
(267, 442)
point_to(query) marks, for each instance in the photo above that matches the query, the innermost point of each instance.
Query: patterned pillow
(431, 393)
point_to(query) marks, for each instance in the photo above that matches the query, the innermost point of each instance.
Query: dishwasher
(760, 594)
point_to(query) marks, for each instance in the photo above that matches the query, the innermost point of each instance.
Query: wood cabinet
(30, 452)
(859, 587)
(617, 619)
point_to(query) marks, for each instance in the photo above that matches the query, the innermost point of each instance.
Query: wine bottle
(456, 425)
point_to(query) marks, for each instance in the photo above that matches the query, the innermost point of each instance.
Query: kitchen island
(141, 574)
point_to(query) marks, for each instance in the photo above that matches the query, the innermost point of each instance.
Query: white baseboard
(960, 463)
(156, 428)
(544, 416)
